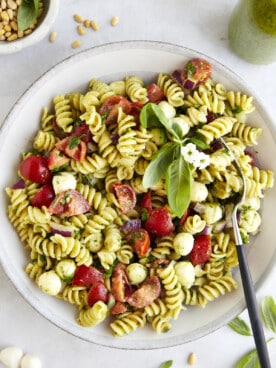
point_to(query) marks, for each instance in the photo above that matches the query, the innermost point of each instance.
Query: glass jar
(252, 31)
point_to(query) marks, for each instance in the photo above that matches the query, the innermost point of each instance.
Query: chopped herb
(74, 142)
(237, 110)
(190, 68)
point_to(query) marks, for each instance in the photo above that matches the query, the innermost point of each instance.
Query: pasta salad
(124, 201)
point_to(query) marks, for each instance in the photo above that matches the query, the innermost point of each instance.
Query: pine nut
(75, 44)
(5, 17)
(53, 36)
(114, 21)
(192, 359)
(81, 30)
(11, 4)
(86, 23)
(94, 25)
(78, 18)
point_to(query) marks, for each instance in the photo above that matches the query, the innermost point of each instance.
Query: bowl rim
(37, 35)
(167, 47)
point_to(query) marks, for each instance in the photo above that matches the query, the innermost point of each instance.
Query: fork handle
(253, 310)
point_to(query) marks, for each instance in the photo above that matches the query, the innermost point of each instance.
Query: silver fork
(248, 288)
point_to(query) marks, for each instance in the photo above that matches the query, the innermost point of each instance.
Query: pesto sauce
(264, 13)
(252, 31)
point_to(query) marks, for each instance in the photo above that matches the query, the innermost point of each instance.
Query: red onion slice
(20, 184)
(63, 230)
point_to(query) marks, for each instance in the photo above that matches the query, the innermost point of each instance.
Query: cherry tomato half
(125, 196)
(97, 292)
(111, 105)
(87, 275)
(69, 203)
(44, 196)
(201, 251)
(197, 71)
(120, 286)
(140, 241)
(73, 147)
(155, 93)
(160, 222)
(56, 159)
(35, 168)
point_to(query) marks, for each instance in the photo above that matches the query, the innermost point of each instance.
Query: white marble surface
(198, 24)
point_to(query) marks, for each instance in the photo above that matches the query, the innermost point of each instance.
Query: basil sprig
(27, 14)
(268, 310)
(168, 162)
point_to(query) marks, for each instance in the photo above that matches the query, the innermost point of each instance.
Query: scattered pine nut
(94, 25)
(192, 359)
(75, 44)
(114, 21)
(81, 30)
(53, 36)
(86, 23)
(78, 18)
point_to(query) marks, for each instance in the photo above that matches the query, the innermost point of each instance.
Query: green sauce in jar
(264, 13)
(252, 31)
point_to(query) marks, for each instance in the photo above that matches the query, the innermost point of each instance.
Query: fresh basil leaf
(167, 364)
(178, 185)
(27, 14)
(190, 68)
(240, 326)
(198, 142)
(249, 360)
(159, 164)
(152, 116)
(268, 309)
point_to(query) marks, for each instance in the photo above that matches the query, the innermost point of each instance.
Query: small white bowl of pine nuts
(24, 23)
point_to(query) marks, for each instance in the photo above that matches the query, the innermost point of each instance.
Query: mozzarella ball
(183, 243)
(168, 110)
(185, 273)
(11, 356)
(212, 213)
(183, 124)
(30, 361)
(250, 221)
(66, 269)
(136, 273)
(64, 181)
(199, 192)
(50, 282)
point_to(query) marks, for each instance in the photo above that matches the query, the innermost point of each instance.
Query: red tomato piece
(56, 159)
(146, 202)
(73, 147)
(69, 203)
(111, 105)
(160, 222)
(97, 292)
(125, 196)
(118, 308)
(155, 93)
(136, 108)
(140, 241)
(120, 287)
(146, 294)
(86, 276)
(196, 71)
(83, 132)
(35, 168)
(202, 248)
(44, 196)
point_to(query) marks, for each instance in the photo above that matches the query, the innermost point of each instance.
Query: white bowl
(128, 58)
(45, 22)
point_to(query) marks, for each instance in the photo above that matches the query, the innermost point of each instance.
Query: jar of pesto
(252, 31)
